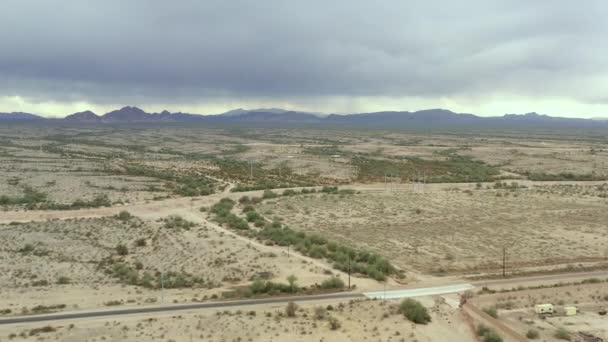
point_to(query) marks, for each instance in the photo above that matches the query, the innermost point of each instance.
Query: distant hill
(84, 117)
(127, 114)
(18, 116)
(424, 119)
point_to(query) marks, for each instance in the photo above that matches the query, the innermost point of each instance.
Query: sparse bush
(45, 329)
(414, 311)
(42, 282)
(492, 336)
(140, 242)
(28, 248)
(290, 309)
(63, 280)
(491, 311)
(562, 334)
(332, 283)
(123, 216)
(330, 189)
(334, 323)
(253, 216)
(122, 249)
(532, 334)
(320, 312)
(268, 194)
(482, 330)
(289, 192)
(176, 221)
(487, 334)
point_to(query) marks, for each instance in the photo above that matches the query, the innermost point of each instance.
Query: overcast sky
(341, 56)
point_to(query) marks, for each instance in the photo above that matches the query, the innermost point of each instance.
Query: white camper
(543, 308)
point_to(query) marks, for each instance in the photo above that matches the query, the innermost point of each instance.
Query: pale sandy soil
(359, 321)
(460, 229)
(75, 248)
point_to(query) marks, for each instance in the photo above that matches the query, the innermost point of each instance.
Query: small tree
(290, 309)
(414, 311)
(292, 283)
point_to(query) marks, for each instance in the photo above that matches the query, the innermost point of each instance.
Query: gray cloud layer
(174, 51)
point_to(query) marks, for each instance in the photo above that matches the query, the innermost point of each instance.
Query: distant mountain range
(432, 118)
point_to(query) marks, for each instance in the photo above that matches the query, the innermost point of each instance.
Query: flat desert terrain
(103, 218)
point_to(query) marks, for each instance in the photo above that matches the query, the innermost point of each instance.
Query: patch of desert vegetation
(273, 232)
(125, 259)
(358, 320)
(447, 229)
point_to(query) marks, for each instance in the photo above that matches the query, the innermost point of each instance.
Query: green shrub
(122, 249)
(123, 216)
(562, 334)
(492, 336)
(332, 283)
(482, 330)
(414, 311)
(532, 334)
(28, 248)
(253, 216)
(289, 192)
(63, 280)
(269, 194)
(330, 189)
(176, 221)
(491, 311)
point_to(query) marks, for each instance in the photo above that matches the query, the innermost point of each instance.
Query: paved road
(563, 277)
(392, 294)
(421, 292)
(181, 307)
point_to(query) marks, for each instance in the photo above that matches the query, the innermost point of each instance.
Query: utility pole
(504, 261)
(349, 271)
(385, 290)
(251, 168)
(162, 288)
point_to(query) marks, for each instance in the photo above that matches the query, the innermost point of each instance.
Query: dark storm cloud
(104, 51)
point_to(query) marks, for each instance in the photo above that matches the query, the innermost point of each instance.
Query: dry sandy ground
(75, 248)
(359, 321)
(516, 309)
(456, 228)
